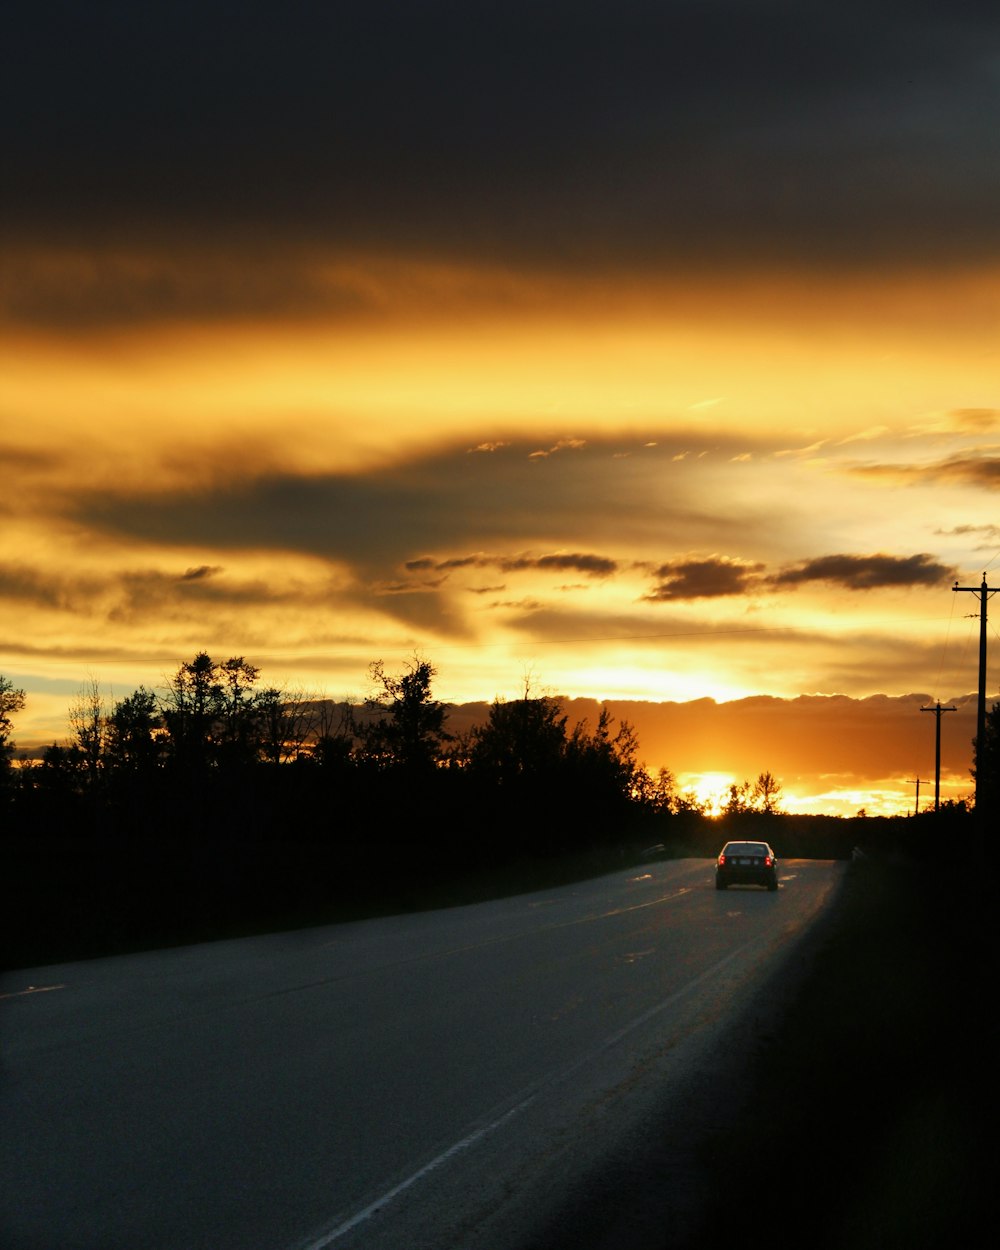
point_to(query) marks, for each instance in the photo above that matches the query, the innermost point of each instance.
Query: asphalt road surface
(450, 1080)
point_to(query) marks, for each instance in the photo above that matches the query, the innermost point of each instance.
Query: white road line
(329, 1238)
(526, 1099)
(33, 989)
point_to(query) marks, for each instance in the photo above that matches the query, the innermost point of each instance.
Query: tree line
(219, 802)
(216, 729)
(215, 723)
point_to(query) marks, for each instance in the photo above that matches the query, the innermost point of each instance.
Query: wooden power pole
(982, 591)
(937, 709)
(916, 805)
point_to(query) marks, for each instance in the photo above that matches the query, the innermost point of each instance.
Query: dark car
(746, 863)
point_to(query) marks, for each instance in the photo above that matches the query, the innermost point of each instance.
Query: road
(446, 1079)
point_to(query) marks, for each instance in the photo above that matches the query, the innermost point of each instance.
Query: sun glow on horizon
(672, 500)
(710, 790)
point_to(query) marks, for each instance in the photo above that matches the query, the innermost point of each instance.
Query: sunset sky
(633, 351)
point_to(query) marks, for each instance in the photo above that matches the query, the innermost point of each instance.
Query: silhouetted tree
(606, 763)
(88, 719)
(517, 776)
(239, 714)
(738, 801)
(273, 724)
(333, 735)
(602, 786)
(766, 794)
(688, 803)
(191, 709)
(133, 729)
(11, 702)
(288, 724)
(410, 731)
(657, 793)
(61, 771)
(522, 739)
(762, 795)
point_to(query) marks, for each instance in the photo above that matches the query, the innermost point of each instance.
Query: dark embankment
(857, 1116)
(865, 1121)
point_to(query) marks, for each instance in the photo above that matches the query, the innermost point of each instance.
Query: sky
(632, 352)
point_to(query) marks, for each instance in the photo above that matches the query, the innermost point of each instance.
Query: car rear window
(746, 848)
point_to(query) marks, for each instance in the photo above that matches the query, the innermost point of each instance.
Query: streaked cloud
(705, 579)
(613, 344)
(860, 572)
(592, 565)
(399, 511)
(979, 468)
(977, 419)
(988, 535)
(23, 583)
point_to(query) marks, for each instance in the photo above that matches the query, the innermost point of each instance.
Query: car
(746, 863)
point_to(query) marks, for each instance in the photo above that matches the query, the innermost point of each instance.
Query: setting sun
(710, 790)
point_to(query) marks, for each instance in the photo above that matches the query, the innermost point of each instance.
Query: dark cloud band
(875, 572)
(651, 132)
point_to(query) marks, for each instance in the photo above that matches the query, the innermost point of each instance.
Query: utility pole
(916, 806)
(982, 591)
(937, 709)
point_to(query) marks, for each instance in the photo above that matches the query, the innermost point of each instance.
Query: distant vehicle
(746, 863)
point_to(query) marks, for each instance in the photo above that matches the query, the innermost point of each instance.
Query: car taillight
(768, 861)
(722, 861)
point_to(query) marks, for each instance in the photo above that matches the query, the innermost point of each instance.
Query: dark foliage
(218, 808)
